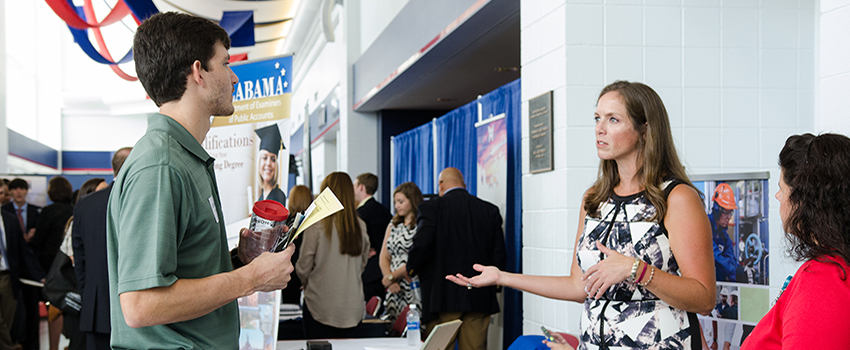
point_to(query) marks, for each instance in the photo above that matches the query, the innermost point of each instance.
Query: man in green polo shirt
(171, 282)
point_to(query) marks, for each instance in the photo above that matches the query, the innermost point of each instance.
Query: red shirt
(812, 313)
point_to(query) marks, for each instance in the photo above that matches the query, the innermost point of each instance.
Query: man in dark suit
(26, 213)
(27, 218)
(455, 231)
(16, 256)
(89, 240)
(377, 217)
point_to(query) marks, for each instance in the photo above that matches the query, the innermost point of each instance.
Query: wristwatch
(390, 277)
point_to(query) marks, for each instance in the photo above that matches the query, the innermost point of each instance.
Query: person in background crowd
(71, 321)
(814, 196)
(50, 229)
(722, 208)
(453, 232)
(397, 242)
(377, 217)
(299, 199)
(88, 187)
(5, 195)
(48, 237)
(269, 164)
(643, 245)
(27, 215)
(88, 238)
(171, 279)
(333, 255)
(15, 258)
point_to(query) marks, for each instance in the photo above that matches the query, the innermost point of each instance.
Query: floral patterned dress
(399, 243)
(628, 316)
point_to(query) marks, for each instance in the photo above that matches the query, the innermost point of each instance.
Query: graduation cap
(270, 138)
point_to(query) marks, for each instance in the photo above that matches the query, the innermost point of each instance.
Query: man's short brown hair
(165, 47)
(370, 181)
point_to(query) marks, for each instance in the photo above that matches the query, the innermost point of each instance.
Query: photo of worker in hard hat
(723, 205)
(727, 306)
(738, 212)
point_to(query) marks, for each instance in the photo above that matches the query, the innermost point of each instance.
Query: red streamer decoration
(66, 12)
(101, 44)
(238, 57)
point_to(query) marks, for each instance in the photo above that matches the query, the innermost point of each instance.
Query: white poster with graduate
(251, 147)
(251, 151)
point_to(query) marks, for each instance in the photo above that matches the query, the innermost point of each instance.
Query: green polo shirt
(164, 223)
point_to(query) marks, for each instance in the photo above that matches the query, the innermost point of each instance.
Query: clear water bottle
(413, 325)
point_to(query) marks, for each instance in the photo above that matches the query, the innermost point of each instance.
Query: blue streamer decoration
(142, 9)
(81, 37)
(239, 25)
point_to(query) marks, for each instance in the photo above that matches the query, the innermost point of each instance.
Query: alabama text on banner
(251, 146)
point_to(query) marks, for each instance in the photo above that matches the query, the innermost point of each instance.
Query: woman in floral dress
(643, 266)
(397, 242)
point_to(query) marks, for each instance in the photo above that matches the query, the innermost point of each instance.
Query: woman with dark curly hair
(814, 204)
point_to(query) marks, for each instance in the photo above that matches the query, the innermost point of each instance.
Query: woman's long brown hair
(414, 196)
(348, 228)
(657, 157)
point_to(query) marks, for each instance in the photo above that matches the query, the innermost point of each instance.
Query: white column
(4, 131)
(834, 72)
(358, 142)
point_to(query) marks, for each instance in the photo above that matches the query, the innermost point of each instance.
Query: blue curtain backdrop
(457, 143)
(457, 147)
(414, 158)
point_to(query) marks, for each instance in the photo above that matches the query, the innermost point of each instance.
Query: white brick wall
(737, 78)
(834, 77)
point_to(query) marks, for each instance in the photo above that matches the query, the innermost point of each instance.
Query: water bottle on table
(413, 326)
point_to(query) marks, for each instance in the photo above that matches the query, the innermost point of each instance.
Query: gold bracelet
(651, 274)
(635, 266)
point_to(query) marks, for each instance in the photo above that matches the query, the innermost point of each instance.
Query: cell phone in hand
(547, 334)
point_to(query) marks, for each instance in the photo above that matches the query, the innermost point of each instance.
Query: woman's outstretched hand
(612, 270)
(488, 277)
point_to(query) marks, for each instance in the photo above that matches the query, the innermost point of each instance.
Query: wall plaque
(540, 133)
